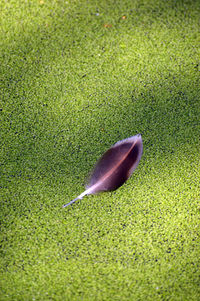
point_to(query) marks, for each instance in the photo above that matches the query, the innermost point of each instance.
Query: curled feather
(114, 167)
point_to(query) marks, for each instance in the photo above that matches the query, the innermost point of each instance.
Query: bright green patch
(77, 76)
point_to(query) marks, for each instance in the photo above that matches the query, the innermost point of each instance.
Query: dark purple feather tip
(115, 166)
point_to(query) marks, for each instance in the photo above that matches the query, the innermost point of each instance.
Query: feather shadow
(115, 167)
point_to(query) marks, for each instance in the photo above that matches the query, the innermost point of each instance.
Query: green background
(76, 77)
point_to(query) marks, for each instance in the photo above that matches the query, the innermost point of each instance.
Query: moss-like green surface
(77, 76)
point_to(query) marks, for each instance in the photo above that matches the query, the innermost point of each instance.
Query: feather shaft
(87, 191)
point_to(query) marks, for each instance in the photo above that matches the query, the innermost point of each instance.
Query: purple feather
(114, 167)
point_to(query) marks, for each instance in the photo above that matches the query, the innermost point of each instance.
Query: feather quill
(114, 167)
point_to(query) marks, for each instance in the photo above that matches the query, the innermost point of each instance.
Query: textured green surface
(77, 76)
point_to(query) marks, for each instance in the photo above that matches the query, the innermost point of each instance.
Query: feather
(114, 167)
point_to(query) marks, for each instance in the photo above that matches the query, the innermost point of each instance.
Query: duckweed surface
(77, 76)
